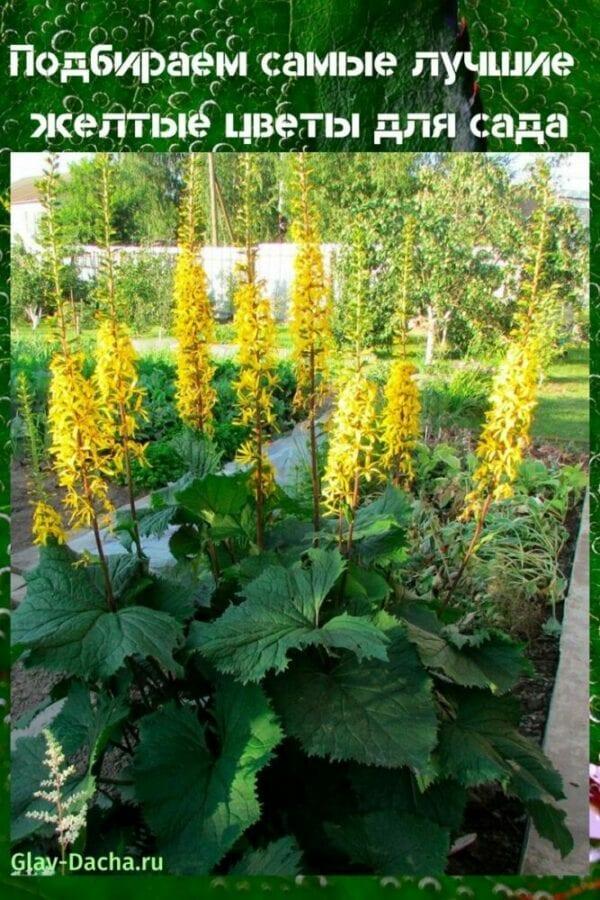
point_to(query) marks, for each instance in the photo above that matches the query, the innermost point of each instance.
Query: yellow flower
(116, 379)
(255, 334)
(79, 439)
(193, 322)
(401, 425)
(506, 433)
(47, 524)
(351, 460)
(310, 323)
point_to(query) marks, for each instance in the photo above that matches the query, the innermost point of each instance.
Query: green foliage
(198, 802)
(458, 398)
(30, 289)
(144, 196)
(288, 708)
(66, 625)
(145, 290)
(281, 613)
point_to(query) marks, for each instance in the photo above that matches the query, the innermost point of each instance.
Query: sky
(570, 170)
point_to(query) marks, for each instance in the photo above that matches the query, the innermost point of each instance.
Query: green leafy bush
(280, 711)
(145, 290)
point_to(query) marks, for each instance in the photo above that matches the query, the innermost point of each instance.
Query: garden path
(288, 454)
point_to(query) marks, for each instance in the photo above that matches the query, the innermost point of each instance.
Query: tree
(146, 193)
(471, 225)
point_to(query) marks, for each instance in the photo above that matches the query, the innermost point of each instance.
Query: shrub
(145, 290)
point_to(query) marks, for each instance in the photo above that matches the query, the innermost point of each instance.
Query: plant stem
(470, 548)
(353, 507)
(314, 463)
(260, 494)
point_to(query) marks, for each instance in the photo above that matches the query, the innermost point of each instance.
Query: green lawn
(563, 412)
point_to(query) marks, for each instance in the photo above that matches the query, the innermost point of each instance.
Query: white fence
(274, 266)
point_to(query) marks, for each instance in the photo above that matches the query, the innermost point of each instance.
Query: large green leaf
(379, 530)
(27, 773)
(393, 791)
(282, 857)
(88, 720)
(480, 742)
(374, 712)
(393, 843)
(280, 613)
(392, 509)
(222, 501)
(549, 822)
(490, 659)
(65, 621)
(198, 803)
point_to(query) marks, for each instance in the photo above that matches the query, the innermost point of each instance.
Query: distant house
(25, 212)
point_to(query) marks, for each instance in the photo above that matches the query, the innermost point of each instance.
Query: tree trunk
(430, 345)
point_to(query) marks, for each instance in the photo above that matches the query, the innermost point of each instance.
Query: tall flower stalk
(47, 522)
(537, 305)
(255, 334)
(401, 419)
(506, 433)
(401, 422)
(310, 318)
(79, 439)
(116, 372)
(406, 273)
(352, 457)
(67, 813)
(193, 321)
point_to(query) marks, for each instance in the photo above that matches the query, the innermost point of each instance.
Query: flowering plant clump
(193, 324)
(302, 690)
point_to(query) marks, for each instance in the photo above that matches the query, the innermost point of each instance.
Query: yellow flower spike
(116, 377)
(401, 421)
(79, 440)
(353, 439)
(506, 433)
(255, 335)
(193, 324)
(47, 524)
(117, 383)
(310, 323)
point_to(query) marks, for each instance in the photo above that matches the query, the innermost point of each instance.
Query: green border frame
(313, 24)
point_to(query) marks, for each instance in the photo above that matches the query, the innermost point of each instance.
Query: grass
(563, 412)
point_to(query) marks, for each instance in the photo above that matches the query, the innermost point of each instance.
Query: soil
(22, 509)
